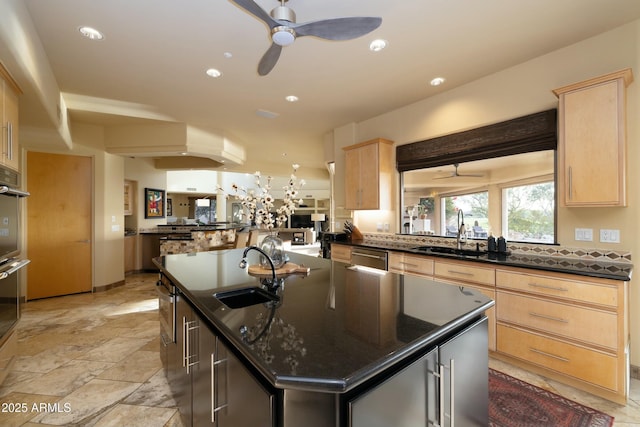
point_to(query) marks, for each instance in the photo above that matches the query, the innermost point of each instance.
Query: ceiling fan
(455, 174)
(284, 29)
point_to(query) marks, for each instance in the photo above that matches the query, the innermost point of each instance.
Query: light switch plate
(584, 234)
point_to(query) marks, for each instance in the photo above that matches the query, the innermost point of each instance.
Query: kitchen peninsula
(339, 346)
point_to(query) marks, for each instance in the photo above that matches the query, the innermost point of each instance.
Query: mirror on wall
(511, 196)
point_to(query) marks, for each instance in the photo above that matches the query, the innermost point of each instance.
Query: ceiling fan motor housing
(283, 35)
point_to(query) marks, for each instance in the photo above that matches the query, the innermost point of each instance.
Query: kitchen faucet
(462, 231)
(243, 264)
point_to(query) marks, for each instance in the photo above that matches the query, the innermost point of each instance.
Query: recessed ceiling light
(437, 81)
(91, 33)
(228, 55)
(377, 45)
(212, 72)
(291, 98)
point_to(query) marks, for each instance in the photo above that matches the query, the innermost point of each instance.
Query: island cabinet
(369, 175)
(209, 383)
(9, 92)
(592, 141)
(470, 275)
(571, 328)
(439, 389)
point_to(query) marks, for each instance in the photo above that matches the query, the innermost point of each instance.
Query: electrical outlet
(609, 236)
(584, 234)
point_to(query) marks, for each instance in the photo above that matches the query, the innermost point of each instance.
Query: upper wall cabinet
(9, 92)
(592, 141)
(368, 175)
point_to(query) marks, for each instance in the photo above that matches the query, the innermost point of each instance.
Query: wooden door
(58, 224)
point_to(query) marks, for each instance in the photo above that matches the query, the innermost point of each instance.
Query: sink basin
(245, 297)
(451, 251)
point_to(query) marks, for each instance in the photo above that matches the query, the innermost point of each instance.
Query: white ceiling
(155, 53)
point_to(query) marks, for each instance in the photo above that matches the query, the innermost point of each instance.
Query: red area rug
(515, 403)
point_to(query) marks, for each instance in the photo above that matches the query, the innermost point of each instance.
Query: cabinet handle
(452, 393)
(441, 375)
(408, 264)
(553, 288)
(544, 353)
(214, 384)
(544, 316)
(570, 183)
(10, 141)
(189, 327)
(462, 273)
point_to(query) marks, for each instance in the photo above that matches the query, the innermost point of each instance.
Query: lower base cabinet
(452, 379)
(210, 384)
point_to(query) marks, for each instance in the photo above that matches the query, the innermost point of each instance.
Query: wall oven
(167, 310)
(10, 265)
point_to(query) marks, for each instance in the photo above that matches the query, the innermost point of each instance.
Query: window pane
(474, 207)
(206, 211)
(529, 213)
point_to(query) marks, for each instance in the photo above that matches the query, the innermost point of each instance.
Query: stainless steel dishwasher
(374, 258)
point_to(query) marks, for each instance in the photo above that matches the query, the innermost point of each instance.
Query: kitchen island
(341, 346)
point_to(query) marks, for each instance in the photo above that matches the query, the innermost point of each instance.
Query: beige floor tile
(155, 392)
(135, 416)
(21, 407)
(137, 367)
(115, 349)
(88, 401)
(65, 379)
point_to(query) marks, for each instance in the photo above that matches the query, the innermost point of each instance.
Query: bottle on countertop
(491, 244)
(502, 244)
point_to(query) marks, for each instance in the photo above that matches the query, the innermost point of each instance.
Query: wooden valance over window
(535, 132)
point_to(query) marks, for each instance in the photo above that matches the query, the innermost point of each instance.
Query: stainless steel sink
(245, 297)
(450, 251)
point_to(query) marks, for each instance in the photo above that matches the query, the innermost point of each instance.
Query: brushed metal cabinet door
(243, 400)
(469, 385)
(408, 399)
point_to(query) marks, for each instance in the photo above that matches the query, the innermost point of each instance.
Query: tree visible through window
(529, 212)
(474, 206)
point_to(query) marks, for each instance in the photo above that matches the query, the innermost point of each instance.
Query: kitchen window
(529, 212)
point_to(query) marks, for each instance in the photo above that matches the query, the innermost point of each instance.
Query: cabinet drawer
(591, 326)
(465, 273)
(341, 253)
(579, 362)
(580, 291)
(403, 263)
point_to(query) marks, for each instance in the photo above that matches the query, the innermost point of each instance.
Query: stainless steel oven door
(166, 309)
(10, 295)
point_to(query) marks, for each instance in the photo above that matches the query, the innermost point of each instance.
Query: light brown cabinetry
(130, 249)
(572, 329)
(9, 92)
(368, 175)
(340, 253)
(592, 141)
(410, 264)
(479, 278)
(128, 197)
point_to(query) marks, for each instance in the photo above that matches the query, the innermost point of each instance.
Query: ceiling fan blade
(269, 59)
(338, 28)
(253, 8)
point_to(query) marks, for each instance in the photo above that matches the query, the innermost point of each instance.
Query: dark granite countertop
(186, 228)
(604, 270)
(331, 330)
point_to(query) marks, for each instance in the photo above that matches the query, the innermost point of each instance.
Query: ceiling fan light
(283, 36)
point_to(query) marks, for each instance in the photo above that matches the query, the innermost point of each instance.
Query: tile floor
(93, 360)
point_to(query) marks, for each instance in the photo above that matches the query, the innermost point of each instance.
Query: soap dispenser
(491, 244)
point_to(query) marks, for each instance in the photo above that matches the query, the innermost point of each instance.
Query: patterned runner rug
(515, 403)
